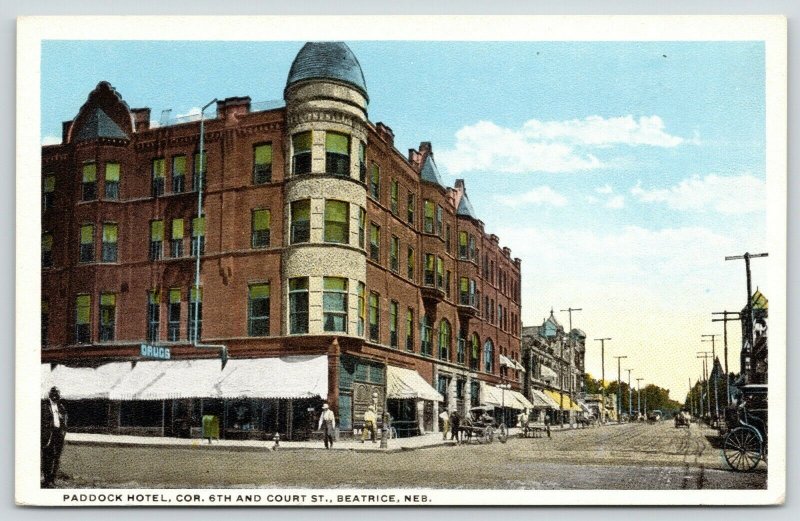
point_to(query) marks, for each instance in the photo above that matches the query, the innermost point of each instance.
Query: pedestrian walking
(445, 417)
(54, 430)
(370, 423)
(455, 423)
(327, 423)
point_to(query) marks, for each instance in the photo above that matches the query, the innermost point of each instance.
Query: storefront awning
(169, 380)
(494, 396)
(276, 377)
(524, 402)
(564, 404)
(542, 401)
(407, 384)
(83, 383)
(505, 361)
(547, 373)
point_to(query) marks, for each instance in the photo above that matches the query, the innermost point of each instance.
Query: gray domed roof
(330, 61)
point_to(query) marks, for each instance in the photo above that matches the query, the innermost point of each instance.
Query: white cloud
(616, 202)
(540, 195)
(51, 140)
(738, 194)
(549, 146)
(606, 189)
(194, 111)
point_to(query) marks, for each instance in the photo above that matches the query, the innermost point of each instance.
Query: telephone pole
(619, 386)
(691, 400)
(713, 366)
(630, 394)
(603, 378)
(705, 355)
(639, 395)
(735, 316)
(749, 324)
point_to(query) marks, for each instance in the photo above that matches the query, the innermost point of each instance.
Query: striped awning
(542, 400)
(563, 401)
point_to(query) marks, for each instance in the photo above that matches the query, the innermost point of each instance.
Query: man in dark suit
(54, 430)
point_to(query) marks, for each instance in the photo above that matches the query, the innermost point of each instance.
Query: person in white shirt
(327, 423)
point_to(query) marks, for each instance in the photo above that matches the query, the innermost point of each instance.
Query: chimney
(385, 132)
(65, 126)
(414, 158)
(507, 251)
(425, 148)
(141, 118)
(230, 108)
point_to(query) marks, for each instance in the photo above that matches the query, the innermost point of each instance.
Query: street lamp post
(503, 388)
(630, 394)
(603, 377)
(619, 386)
(639, 396)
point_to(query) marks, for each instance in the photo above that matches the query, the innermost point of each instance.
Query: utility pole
(619, 386)
(749, 324)
(691, 400)
(603, 377)
(630, 395)
(571, 361)
(705, 355)
(713, 366)
(639, 395)
(725, 320)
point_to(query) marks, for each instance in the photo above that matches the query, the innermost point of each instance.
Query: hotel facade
(332, 267)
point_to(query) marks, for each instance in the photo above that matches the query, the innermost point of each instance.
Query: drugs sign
(157, 352)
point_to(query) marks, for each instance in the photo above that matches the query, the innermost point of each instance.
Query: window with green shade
(463, 286)
(375, 182)
(200, 170)
(156, 239)
(258, 310)
(337, 154)
(362, 224)
(429, 209)
(178, 174)
(261, 222)
(393, 324)
(87, 243)
(362, 308)
(89, 185)
(426, 347)
(472, 251)
(430, 270)
(439, 272)
(110, 236)
(153, 315)
(262, 163)
(412, 207)
(337, 222)
(374, 317)
(362, 162)
(475, 352)
(462, 245)
(410, 330)
(393, 193)
(444, 340)
(301, 221)
(411, 263)
(48, 191)
(195, 314)
(394, 254)
(176, 245)
(198, 236)
(301, 156)
(439, 213)
(159, 175)
(298, 305)
(112, 181)
(334, 304)
(83, 313)
(108, 306)
(47, 250)
(375, 242)
(174, 315)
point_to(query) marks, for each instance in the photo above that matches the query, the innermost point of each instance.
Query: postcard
(401, 261)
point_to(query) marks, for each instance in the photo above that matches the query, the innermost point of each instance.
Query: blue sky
(621, 173)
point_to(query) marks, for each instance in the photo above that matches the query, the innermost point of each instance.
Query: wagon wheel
(742, 449)
(488, 435)
(502, 433)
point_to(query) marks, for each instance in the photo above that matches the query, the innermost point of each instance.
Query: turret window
(112, 181)
(337, 222)
(301, 159)
(337, 154)
(334, 304)
(428, 212)
(89, 185)
(87, 243)
(110, 232)
(301, 224)
(298, 305)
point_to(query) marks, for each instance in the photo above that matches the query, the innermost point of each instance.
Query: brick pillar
(333, 376)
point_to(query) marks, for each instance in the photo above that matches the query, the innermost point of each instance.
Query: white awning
(548, 373)
(544, 398)
(524, 402)
(519, 366)
(539, 401)
(407, 384)
(493, 395)
(170, 380)
(504, 360)
(83, 383)
(276, 377)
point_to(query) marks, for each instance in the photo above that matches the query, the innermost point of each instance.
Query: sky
(621, 173)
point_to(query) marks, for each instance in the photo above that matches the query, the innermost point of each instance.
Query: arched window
(488, 356)
(474, 360)
(444, 340)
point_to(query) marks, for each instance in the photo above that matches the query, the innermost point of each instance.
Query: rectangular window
(89, 185)
(462, 245)
(262, 164)
(178, 174)
(375, 242)
(159, 174)
(334, 304)
(447, 283)
(337, 154)
(375, 182)
(362, 308)
(374, 317)
(47, 250)
(411, 263)
(153, 315)
(258, 310)
(48, 191)
(87, 243)
(200, 170)
(460, 351)
(301, 223)
(362, 224)
(393, 324)
(426, 344)
(112, 181)
(394, 254)
(471, 248)
(174, 315)
(430, 270)
(176, 245)
(393, 190)
(362, 162)
(195, 314)
(261, 222)
(463, 287)
(439, 272)
(83, 312)
(301, 158)
(298, 305)
(429, 209)
(412, 206)
(337, 222)
(439, 227)
(156, 239)
(198, 236)
(108, 306)
(110, 233)
(410, 330)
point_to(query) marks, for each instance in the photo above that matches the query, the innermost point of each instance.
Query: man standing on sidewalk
(445, 417)
(327, 422)
(370, 423)
(54, 430)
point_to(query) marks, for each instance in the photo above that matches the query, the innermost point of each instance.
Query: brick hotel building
(332, 267)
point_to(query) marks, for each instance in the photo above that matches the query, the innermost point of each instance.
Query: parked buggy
(480, 423)
(531, 429)
(745, 444)
(682, 419)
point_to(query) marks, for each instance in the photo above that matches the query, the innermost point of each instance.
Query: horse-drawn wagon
(745, 444)
(480, 424)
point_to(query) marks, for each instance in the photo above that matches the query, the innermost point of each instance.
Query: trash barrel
(210, 427)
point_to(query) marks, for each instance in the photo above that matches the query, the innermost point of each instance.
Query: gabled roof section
(430, 173)
(760, 301)
(99, 125)
(465, 208)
